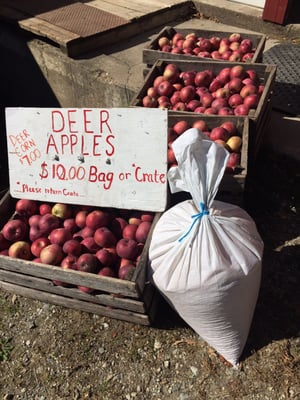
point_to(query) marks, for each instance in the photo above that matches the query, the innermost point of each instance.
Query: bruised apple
(88, 262)
(15, 230)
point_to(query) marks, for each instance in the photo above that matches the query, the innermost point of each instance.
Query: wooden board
(80, 27)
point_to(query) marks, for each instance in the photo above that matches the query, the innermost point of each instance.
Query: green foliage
(5, 349)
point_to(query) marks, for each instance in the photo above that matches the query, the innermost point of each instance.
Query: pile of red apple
(233, 47)
(102, 241)
(225, 134)
(234, 90)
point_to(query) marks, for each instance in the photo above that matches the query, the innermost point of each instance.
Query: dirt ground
(49, 352)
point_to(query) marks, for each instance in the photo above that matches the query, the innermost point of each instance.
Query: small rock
(194, 370)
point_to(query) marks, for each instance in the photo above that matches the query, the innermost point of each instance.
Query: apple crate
(233, 185)
(258, 118)
(152, 53)
(133, 300)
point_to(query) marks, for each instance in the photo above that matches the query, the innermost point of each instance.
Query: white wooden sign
(113, 157)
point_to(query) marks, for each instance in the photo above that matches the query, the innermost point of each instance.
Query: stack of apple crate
(251, 127)
(133, 299)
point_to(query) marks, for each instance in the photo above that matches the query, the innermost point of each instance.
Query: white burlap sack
(205, 255)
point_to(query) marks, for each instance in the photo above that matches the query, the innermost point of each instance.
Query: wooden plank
(103, 283)
(50, 31)
(132, 9)
(48, 286)
(76, 304)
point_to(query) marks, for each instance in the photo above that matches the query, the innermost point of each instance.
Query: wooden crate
(152, 53)
(233, 185)
(258, 118)
(132, 300)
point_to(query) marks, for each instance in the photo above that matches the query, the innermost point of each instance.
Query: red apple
(45, 208)
(34, 219)
(149, 102)
(105, 257)
(104, 237)
(235, 37)
(70, 224)
(60, 236)
(225, 111)
(165, 88)
(129, 231)
(89, 245)
(127, 248)
(219, 132)
(251, 100)
(26, 207)
(202, 78)
(147, 216)
(97, 218)
(248, 89)
(241, 109)
(201, 125)
(38, 244)
(187, 77)
(48, 222)
(235, 100)
(72, 247)
(181, 126)
(206, 99)
(107, 271)
(187, 93)
(88, 262)
(234, 160)
(126, 272)
(84, 233)
(15, 230)
(237, 71)
(142, 231)
(52, 254)
(80, 218)
(230, 127)
(20, 249)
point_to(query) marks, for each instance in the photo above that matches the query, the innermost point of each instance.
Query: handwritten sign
(113, 157)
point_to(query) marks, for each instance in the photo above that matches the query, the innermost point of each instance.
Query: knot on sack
(196, 217)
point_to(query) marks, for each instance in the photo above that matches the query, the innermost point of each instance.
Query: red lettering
(104, 117)
(110, 152)
(58, 122)
(64, 142)
(86, 121)
(51, 144)
(95, 145)
(71, 122)
(73, 142)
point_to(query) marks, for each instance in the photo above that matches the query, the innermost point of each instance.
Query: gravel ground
(49, 352)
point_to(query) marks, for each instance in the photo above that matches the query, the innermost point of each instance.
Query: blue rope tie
(196, 217)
